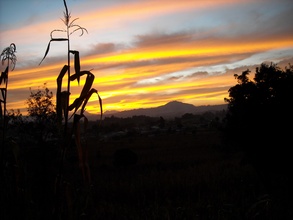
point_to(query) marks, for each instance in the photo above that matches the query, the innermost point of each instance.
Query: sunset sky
(145, 53)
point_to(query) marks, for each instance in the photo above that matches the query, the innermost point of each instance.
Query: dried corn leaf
(4, 76)
(101, 106)
(88, 97)
(88, 83)
(76, 64)
(76, 75)
(3, 92)
(60, 77)
(60, 98)
(76, 104)
(48, 47)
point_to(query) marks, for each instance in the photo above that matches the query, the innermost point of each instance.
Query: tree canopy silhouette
(261, 108)
(260, 119)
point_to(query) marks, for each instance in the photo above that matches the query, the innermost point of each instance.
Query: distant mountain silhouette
(171, 109)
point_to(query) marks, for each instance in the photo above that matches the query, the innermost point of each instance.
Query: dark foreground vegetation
(176, 176)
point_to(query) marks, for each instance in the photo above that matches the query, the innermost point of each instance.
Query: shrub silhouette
(42, 109)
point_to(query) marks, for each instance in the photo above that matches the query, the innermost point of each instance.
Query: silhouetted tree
(260, 119)
(261, 109)
(42, 109)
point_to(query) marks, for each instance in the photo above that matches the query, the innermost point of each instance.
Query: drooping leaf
(3, 92)
(56, 30)
(75, 105)
(78, 28)
(81, 100)
(4, 76)
(101, 106)
(72, 22)
(47, 50)
(61, 98)
(88, 83)
(48, 47)
(88, 97)
(76, 64)
(60, 77)
(79, 74)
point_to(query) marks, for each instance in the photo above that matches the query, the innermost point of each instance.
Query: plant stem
(68, 81)
(4, 127)
(4, 114)
(5, 97)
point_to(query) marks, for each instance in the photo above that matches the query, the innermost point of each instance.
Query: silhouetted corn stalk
(62, 100)
(8, 180)
(8, 54)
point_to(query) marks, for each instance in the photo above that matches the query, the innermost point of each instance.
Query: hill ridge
(170, 109)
